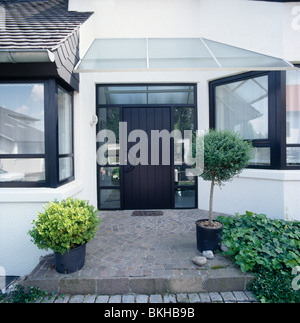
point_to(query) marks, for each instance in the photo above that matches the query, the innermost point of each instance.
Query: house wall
(269, 28)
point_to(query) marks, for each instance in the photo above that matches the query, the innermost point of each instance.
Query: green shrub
(269, 248)
(65, 225)
(226, 154)
(20, 295)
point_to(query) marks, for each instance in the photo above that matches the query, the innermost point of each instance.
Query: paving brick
(155, 298)
(102, 299)
(215, 297)
(115, 299)
(169, 298)
(182, 298)
(241, 297)
(128, 299)
(204, 298)
(89, 299)
(76, 299)
(228, 297)
(141, 298)
(194, 298)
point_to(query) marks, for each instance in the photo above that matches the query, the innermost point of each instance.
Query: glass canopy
(172, 54)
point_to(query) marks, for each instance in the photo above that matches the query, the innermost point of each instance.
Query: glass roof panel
(230, 56)
(172, 53)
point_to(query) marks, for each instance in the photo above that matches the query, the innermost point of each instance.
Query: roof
(38, 24)
(40, 38)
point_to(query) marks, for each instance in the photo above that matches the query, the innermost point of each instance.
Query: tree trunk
(211, 202)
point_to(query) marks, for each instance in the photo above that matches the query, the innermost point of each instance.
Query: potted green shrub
(65, 227)
(225, 155)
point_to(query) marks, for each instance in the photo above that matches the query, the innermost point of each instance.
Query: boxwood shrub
(65, 225)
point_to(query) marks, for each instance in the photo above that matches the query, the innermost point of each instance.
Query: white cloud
(23, 109)
(37, 93)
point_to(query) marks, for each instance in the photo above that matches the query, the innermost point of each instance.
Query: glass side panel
(180, 178)
(184, 119)
(22, 170)
(109, 176)
(293, 107)
(22, 119)
(65, 168)
(110, 199)
(65, 140)
(243, 107)
(185, 198)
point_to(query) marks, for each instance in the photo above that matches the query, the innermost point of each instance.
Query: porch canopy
(136, 54)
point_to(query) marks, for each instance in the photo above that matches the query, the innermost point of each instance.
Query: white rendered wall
(266, 27)
(18, 207)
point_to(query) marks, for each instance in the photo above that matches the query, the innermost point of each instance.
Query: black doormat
(146, 213)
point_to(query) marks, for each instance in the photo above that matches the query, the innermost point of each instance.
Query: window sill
(271, 174)
(39, 194)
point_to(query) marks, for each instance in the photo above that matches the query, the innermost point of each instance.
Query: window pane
(64, 122)
(109, 176)
(180, 177)
(243, 107)
(146, 94)
(261, 156)
(22, 170)
(183, 120)
(185, 198)
(293, 156)
(293, 107)
(109, 120)
(110, 199)
(65, 168)
(22, 119)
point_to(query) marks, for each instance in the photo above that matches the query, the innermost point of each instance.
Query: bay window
(264, 107)
(30, 146)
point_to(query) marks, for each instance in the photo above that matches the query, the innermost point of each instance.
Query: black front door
(147, 186)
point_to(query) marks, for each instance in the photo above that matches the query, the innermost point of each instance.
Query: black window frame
(51, 154)
(276, 114)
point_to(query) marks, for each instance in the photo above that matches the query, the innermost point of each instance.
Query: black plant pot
(208, 238)
(70, 261)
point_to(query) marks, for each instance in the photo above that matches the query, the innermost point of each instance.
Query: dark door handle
(131, 166)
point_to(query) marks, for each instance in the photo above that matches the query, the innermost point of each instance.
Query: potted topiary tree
(225, 155)
(65, 227)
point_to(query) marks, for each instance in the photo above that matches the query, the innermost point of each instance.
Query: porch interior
(143, 254)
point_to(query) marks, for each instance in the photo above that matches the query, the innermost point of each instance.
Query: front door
(147, 186)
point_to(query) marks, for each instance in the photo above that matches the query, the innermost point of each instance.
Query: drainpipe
(26, 56)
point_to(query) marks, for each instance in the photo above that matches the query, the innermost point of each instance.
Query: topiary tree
(225, 155)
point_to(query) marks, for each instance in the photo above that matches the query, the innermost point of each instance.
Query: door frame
(172, 108)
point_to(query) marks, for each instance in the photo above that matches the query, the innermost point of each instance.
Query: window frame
(172, 106)
(50, 155)
(276, 114)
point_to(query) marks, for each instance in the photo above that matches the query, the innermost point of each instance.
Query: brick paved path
(223, 297)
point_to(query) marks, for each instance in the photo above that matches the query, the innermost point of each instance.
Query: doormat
(146, 213)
